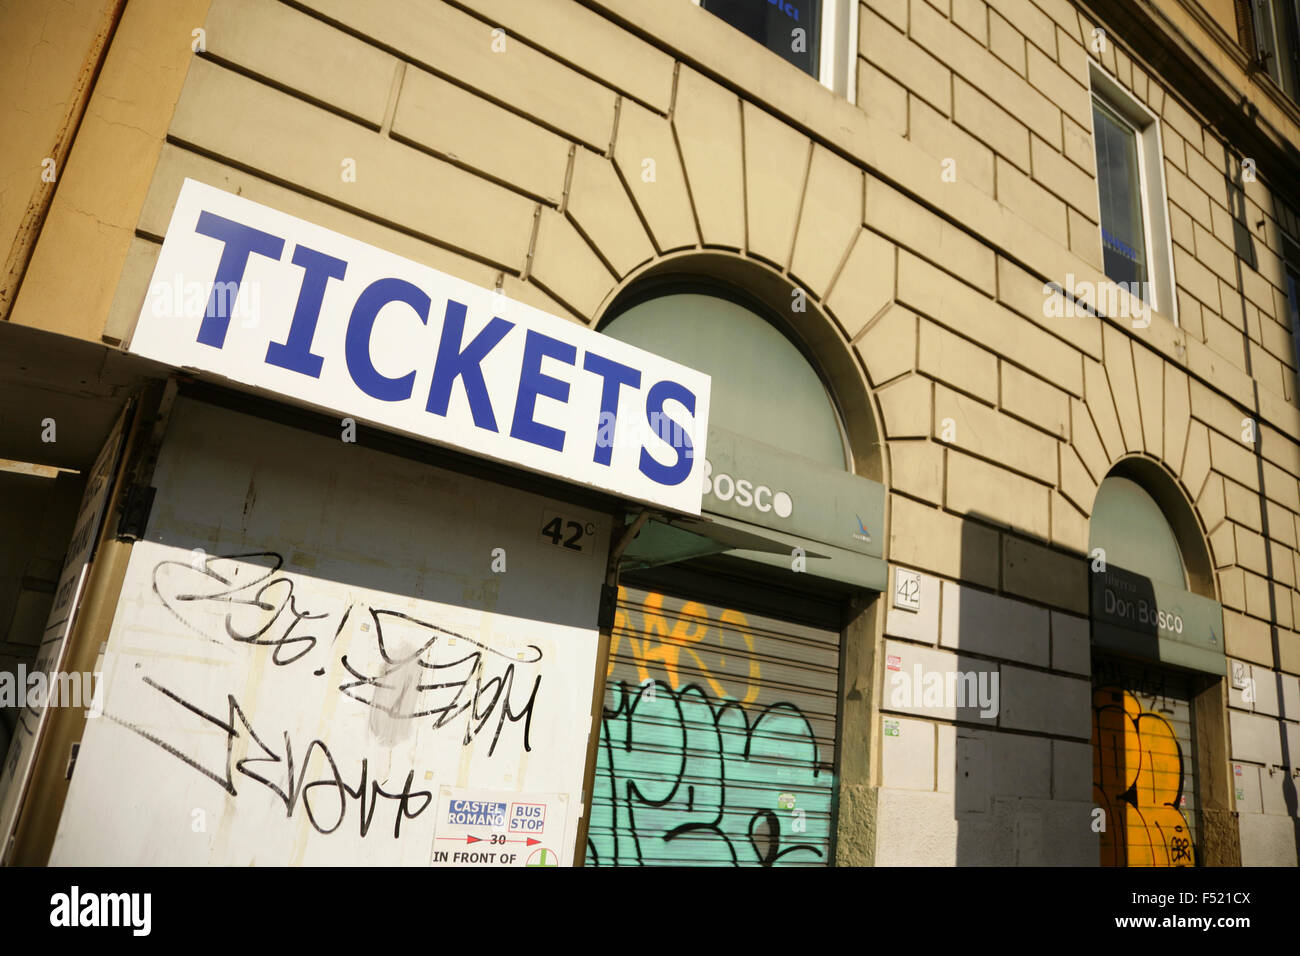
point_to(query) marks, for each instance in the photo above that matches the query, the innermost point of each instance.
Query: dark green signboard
(1150, 619)
(766, 486)
(835, 517)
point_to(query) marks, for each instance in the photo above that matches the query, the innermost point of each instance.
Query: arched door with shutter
(1155, 646)
(718, 739)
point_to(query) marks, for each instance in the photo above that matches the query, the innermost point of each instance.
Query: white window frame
(1291, 276)
(1151, 183)
(1267, 16)
(838, 47)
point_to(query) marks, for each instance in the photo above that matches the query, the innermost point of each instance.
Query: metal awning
(81, 385)
(669, 538)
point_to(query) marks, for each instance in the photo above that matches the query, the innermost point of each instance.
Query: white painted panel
(342, 608)
(278, 304)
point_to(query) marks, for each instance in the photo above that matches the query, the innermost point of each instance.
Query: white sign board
(32, 718)
(313, 639)
(488, 828)
(277, 304)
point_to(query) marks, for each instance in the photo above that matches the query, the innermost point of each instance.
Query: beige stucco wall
(1223, 13)
(45, 58)
(73, 273)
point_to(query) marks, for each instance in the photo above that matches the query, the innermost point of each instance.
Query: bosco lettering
(745, 493)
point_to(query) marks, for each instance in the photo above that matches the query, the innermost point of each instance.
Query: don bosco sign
(298, 310)
(1155, 620)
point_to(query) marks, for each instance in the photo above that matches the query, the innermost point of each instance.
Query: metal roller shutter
(718, 739)
(1144, 765)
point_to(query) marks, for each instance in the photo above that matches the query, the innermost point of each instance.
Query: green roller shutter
(718, 739)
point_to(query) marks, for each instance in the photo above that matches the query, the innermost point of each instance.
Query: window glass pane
(1266, 37)
(1293, 311)
(763, 387)
(790, 28)
(1124, 248)
(1287, 38)
(1136, 535)
(1293, 305)
(1283, 70)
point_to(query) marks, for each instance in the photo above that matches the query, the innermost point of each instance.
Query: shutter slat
(718, 741)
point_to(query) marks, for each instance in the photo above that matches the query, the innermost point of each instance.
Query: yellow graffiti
(671, 642)
(1138, 782)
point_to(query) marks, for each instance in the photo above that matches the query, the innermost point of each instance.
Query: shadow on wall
(1245, 244)
(37, 519)
(1019, 754)
(1049, 766)
(300, 522)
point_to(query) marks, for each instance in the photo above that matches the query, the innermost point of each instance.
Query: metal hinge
(608, 606)
(137, 505)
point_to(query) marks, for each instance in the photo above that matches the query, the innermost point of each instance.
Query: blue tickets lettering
(670, 431)
(465, 364)
(240, 242)
(533, 382)
(362, 324)
(614, 376)
(295, 353)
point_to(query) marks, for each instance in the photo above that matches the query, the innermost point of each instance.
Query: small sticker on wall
(499, 828)
(1241, 794)
(785, 801)
(1182, 800)
(891, 728)
(1236, 768)
(894, 662)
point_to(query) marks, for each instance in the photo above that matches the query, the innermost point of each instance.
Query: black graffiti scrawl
(682, 779)
(401, 669)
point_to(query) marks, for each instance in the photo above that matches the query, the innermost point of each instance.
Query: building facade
(993, 556)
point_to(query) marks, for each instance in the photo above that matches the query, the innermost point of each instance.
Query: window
(1119, 181)
(1136, 251)
(1277, 41)
(1132, 529)
(1156, 635)
(1291, 269)
(817, 36)
(744, 353)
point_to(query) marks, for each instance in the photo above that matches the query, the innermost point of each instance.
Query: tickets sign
(257, 297)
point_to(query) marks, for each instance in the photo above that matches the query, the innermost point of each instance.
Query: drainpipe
(609, 595)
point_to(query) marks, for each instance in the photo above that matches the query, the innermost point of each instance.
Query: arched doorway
(1157, 654)
(721, 719)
